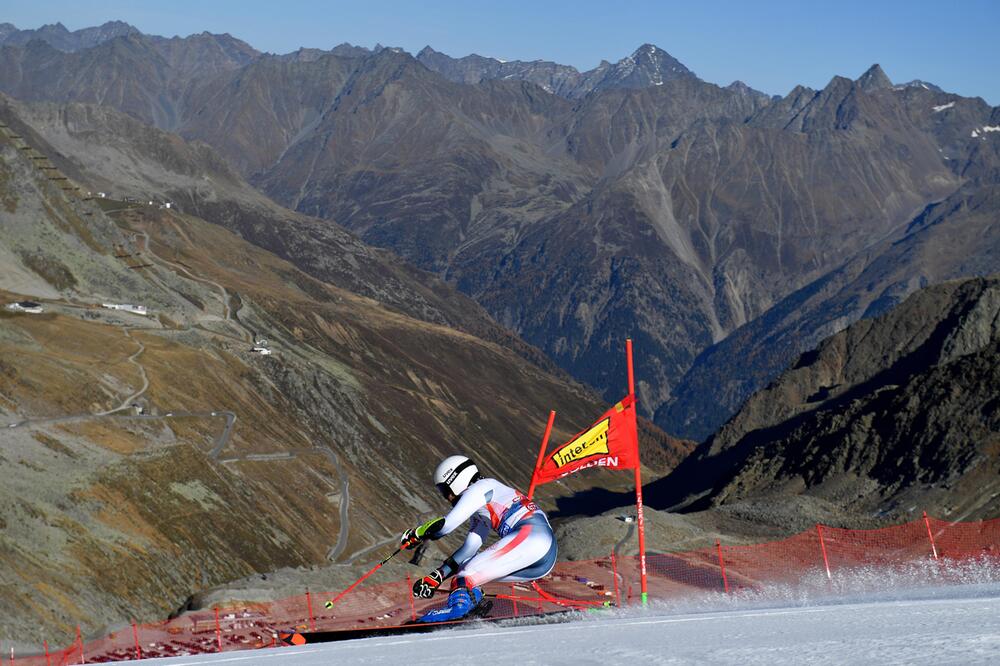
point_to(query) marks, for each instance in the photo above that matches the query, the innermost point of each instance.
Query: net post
(513, 599)
(218, 631)
(413, 609)
(614, 577)
(722, 566)
(79, 639)
(135, 639)
(822, 545)
(930, 535)
(541, 452)
(309, 607)
(638, 476)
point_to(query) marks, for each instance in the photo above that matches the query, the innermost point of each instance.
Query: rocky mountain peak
(648, 65)
(925, 85)
(54, 27)
(439, 62)
(348, 50)
(744, 90)
(874, 79)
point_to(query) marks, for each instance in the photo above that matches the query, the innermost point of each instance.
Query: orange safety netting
(580, 585)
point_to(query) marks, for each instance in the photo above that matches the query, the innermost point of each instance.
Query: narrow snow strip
(991, 128)
(938, 109)
(255, 655)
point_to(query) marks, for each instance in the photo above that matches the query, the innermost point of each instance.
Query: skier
(525, 551)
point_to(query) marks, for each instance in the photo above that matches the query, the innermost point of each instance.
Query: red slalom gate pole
(822, 545)
(413, 610)
(218, 631)
(930, 535)
(638, 477)
(48, 659)
(309, 607)
(614, 575)
(541, 452)
(135, 637)
(722, 567)
(513, 600)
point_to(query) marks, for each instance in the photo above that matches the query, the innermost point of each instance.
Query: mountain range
(576, 207)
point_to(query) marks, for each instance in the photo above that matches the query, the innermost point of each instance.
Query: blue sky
(770, 45)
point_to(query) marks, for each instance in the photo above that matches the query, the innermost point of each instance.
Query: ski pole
(331, 602)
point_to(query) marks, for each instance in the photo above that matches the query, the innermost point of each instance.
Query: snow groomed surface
(953, 624)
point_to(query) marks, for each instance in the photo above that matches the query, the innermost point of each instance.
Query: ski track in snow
(932, 625)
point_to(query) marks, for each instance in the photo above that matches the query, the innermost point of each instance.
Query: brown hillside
(335, 434)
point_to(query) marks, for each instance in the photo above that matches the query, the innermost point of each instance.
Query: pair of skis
(477, 615)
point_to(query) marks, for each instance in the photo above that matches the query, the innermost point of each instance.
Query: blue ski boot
(461, 602)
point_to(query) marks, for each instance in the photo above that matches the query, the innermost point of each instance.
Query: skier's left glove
(414, 536)
(424, 588)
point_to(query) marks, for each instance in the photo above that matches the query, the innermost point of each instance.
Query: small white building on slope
(127, 307)
(29, 307)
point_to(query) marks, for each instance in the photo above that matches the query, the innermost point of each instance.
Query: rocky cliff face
(893, 414)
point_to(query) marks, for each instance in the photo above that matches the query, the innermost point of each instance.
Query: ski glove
(414, 536)
(424, 587)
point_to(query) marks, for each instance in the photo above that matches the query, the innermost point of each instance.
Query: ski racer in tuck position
(526, 549)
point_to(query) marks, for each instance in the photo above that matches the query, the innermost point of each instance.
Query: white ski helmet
(454, 475)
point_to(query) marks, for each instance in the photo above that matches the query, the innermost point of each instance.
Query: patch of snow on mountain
(939, 109)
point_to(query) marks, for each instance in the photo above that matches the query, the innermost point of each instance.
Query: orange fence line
(572, 584)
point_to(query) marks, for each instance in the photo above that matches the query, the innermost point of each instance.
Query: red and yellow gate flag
(612, 442)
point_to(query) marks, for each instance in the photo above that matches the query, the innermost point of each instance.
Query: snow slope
(958, 624)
